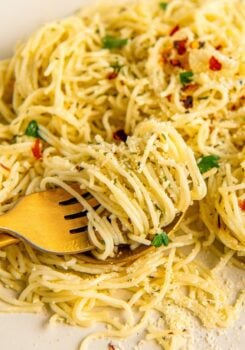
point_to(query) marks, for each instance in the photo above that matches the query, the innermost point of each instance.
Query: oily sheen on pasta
(141, 103)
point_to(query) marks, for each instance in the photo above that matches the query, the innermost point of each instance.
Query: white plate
(32, 332)
(18, 18)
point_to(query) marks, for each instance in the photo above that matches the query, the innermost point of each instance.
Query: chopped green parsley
(208, 162)
(160, 239)
(203, 98)
(163, 5)
(110, 42)
(116, 67)
(32, 129)
(186, 77)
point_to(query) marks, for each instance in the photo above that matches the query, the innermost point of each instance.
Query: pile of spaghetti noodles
(141, 103)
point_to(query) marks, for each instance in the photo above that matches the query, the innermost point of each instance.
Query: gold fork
(55, 222)
(51, 221)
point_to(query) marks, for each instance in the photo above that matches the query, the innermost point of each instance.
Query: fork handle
(6, 240)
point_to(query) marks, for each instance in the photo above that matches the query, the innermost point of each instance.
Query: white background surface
(31, 332)
(18, 18)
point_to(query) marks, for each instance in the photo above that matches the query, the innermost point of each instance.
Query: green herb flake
(208, 162)
(32, 129)
(116, 67)
(160, 239)
(110, 42)
(164, 136)
(203, 98)
(163, 5)
(186, 77)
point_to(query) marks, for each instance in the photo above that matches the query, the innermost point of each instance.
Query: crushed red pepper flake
(165, 57)
(219, 47)
(180, 46)
(37, 149)
(111, 347)
(4, 167)
(241, 204)
(188, 102)
(190, 87)
(175, 62)
(214, 64)
(120, 135)
(174, 30)
(169, 98)
(112, 75)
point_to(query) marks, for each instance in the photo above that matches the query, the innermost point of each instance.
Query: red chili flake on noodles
(37, 149)
(218, 47)
(120, 135)
(188, 102)
(112, 75)
(174, 30)
(242, 204)
(214, 64)
(175, 63)
(190, 88)
(180, 46)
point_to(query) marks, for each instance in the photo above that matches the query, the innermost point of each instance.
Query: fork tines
(79, 230)
(73, 200)
(80, 214)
